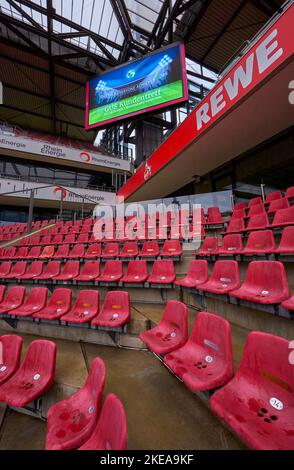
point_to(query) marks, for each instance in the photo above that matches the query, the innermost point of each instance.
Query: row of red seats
(80, 421)
(258, 402)
(258, 243)
(281, 218)
(265, 281)
(170, 249)
(115, 312)
(162, 272)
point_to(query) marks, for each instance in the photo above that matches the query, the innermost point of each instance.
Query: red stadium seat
(289, 303)
(111, 430)
(9, 252)
(58, 305)
(260, 242)
(52, 269)
(57, 239)
(85, 308)
(278, 204)
(197, 274)
(172, 331)
(257, 222)
(22, 252)
(256, 210)
(14, 298)
(34, 240)
(258, 402)
(71, 270)
(150, 249)
(238, 214)
(45, 240)
(111, 250)
(231, 245)
(35, 301)
(255, 201)
(287, 241)
(34, 377)
(48, 252)
(205, 362)
(2, 292)
(11, 346)
(93, 251)
(208, 247)
(129, 250)
(224, 278)
(62, 251)
(265, 283)
(136, 272)
(89, 272)
(290, 192)
(72, 421)
(64, 230)
(235, 226)
(275, 195)
(82, 238)
(70, 238)
(86, 228)
(34, 252)
(171, 248)
(283, 217)
(34, 270)
(78, 251)
(214, 216)
(113, 271)
(240, 205)
(17, 270)
(5, 268)
(163, 272)
(116, 310)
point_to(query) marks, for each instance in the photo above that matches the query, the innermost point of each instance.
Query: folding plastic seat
(85, 308)
(238, 214)
(82, 238)
(197, 274)
(48, 251)
(129, 250)
(208, 247)
(235, 226)
(34, 377)
(23, 242)
(71, 270)
(150, 249)
(89, 272)
(21, 252)
(172, 331)
(11, 346)
(278, 204)
(61, 252)
(72, 421)
(260, 242)
(255, 201)
(9, 253)
(13, 299)
(34, 252)
(110, 250)
(93, 238)
(205, 362)
(17, 270)
(113, 271)
(171, 248)
(283, 217)
(163, 272)
(35, 301)
(52, 270)
(273, 196)
(45, 240)
(93, 251)
(256, 210)
(57, 239)
(286, 243)
(86, 228)
(137, 272)
(257, 222)
(290, 192)
(78, 251)
(88, 221)
(5, 268)
(111, 430)
(289, 303)
(34, 240)
(231, 245)
(224, 278)
(265, 283)
(214, 216)
(258, 402)
(75, 229)
(2, 292)
(116, 310)
(34, 270)
(70, 238)
(58, 305)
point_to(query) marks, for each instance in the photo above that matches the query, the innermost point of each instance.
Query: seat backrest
(22, 251)
(290, 192)
(111, 248)
(210, 244)
(94, 249)
(10, 347)
(78, 250)
(15, 295)
(273, 196)
(287, 238)
(277, 204)
(19, 267)
(96, 378)
(236, 225)
(266, 360)
(171, 245)
(137, 267)
(162, 267)
(48, 251)
(2, 292)
(261, 240)
(130, 247)
(117, 300)
(213, 333)
(62, 250)
(10, 252)
(37, 296)
(232, 242)
(113, 267)
(35, 266)
(268, 276)
(238, 214)
(35, 252)
(57, 238)
(53, 267)
(5, 267)
(70, 238)
(256, 209)
(226, 271)
(254, 201)
(150, 247)
(40, 359)
(71, 267)
(214, 215)
(284, 216)
(198, 269)
(240, 205)
(258, 220)
(88, 299)
(176, 314)
(91, 267)
(61, 297)
(83, 238)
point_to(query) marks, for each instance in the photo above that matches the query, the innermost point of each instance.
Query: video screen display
(153, 82)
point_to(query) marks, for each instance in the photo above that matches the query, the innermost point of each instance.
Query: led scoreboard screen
(153, 82)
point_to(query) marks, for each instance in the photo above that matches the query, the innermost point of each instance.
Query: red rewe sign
(265, 56)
